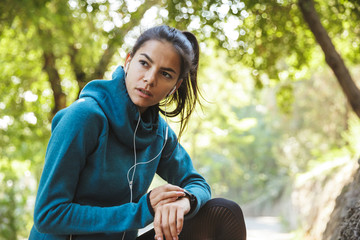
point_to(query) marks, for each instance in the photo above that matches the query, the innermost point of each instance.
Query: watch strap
(193, 200)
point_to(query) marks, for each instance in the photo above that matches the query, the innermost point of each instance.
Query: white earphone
(133, 167)
(131, 181)
(172, 91)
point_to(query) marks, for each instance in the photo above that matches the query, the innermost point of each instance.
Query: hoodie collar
(121, 112)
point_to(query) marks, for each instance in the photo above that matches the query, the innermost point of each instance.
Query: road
(258, 228)
(269, 228)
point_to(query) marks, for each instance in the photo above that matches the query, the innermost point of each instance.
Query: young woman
(107, 146)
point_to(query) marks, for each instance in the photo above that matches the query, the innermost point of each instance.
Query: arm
(75, 136)
(176, 167)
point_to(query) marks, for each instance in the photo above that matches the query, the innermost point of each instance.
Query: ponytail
(189, 90)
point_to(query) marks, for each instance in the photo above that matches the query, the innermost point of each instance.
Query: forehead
(161, 52)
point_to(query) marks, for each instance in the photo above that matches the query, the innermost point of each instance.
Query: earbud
(172, 91)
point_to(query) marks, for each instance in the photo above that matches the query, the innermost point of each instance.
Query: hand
(169, 219)
(165, 194)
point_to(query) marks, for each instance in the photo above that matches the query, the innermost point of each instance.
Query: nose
(150, 77)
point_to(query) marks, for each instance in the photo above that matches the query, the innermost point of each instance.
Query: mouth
(144, 92)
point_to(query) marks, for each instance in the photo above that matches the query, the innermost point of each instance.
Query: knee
(226, 203)
(229, 217)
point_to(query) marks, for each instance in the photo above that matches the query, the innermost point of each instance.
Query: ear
(127, 62)
(172, 91)
(177, 85)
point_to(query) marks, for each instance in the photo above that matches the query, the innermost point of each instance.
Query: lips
(144, 92)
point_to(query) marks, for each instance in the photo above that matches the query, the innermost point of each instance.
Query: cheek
(128, 84)
(130, 79)
(166, 90)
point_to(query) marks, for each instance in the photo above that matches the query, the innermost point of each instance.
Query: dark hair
(186, 45)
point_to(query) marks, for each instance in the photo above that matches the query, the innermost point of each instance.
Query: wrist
(151, 209)
(192, 200)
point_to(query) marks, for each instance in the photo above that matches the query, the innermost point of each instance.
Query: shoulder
(84, 111)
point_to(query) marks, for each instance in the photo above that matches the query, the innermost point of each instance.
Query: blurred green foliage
(272, 108)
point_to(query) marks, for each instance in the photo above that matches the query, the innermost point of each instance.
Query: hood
(121, 112)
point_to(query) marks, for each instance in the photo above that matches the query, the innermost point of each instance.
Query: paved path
(269, 228)
(259, 228)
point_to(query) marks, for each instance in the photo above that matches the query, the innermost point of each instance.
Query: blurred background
(279, 128)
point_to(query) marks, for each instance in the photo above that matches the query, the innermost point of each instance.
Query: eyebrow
(152, 61)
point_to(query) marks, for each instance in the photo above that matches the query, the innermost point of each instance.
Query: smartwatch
(193, 200)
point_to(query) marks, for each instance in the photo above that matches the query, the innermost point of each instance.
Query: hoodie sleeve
(75, 135)
(176, 168)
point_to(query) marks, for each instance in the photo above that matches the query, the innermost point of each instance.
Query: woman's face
(152, 73)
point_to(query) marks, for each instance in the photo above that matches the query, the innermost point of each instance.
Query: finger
(157, 226)
(167, 188)
(165, 227)
(166, 195)
(164, 202)
(179, 221)
(168, 200)
(170, 187)
(172, 223)
(155, 199)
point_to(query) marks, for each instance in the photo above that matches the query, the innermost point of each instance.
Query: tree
(248, 29)
(66, 32)
(332, 57)
(351, 91)
(44, 44)
(49, 49)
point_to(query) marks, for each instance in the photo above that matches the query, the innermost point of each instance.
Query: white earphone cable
(135, 156)
(135, 160)
(130, 182)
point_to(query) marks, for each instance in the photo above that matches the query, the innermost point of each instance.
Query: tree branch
(114, 43)
(112, 46)
(55, 81)
(332, 57)
(53, 74)
(76, 66)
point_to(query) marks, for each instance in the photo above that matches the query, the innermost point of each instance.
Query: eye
(167, 75)
(144, 63)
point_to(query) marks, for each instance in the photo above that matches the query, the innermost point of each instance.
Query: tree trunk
(343, 224)
(55, 81)
(347, 208)
(50, 68)
(332, 57)
(77, 68)
(350, 229)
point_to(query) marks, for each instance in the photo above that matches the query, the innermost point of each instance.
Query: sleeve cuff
(149, 204)
(193, 202)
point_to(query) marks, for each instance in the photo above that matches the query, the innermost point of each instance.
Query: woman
(107, 146)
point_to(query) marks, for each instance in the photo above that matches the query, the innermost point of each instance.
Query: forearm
(72, 218)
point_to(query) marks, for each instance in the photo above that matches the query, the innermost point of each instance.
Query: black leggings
(218, 219)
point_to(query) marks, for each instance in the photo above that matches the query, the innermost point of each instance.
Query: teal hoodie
(84, 189)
